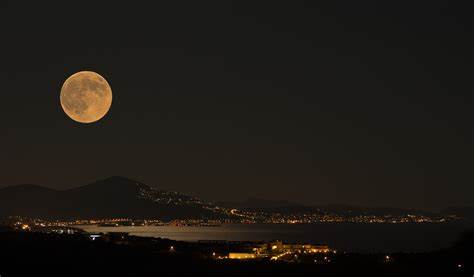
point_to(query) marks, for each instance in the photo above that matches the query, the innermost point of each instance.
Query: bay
(350, 237)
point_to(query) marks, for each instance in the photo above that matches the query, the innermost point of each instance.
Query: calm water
(342, 236)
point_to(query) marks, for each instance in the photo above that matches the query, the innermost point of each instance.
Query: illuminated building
(280, 247)
(242, 256)
(277, 250)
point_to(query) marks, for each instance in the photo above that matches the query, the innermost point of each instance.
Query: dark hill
(109, 198)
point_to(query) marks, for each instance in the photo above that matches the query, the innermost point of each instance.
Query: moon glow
(86, 97)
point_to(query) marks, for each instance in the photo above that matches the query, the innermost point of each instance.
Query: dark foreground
(39, 254)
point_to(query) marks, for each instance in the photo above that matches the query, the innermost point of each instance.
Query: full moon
(86, 97)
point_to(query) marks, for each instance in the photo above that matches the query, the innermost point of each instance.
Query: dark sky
(355, 102)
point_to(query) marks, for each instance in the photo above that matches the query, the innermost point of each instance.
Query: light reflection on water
(342, 236)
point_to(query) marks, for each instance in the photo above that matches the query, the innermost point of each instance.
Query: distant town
(102, 202)
(243, 217)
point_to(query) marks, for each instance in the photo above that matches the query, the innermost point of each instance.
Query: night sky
(355, 102)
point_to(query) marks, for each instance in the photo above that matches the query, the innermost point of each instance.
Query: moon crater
(86, 97)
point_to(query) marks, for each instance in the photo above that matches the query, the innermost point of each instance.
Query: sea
(349, 237)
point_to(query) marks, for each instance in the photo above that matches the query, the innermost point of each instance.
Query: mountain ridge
(106, 198)
(118, 196)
